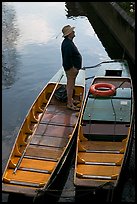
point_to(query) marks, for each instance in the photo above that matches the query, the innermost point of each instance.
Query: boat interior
(108, 118)
(43, 138)
(103, 134)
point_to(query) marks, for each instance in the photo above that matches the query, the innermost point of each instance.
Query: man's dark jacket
(70, 55)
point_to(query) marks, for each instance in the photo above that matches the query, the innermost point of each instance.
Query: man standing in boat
(72, 63)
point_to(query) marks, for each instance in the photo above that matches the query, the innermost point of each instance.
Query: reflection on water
(9, 39)
(38, 22)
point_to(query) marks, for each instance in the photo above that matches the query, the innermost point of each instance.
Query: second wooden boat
(105, 132)
(44, 141)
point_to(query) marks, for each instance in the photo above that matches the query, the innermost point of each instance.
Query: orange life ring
(102, 89)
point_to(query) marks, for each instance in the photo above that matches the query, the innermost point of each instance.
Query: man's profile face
(72, 34)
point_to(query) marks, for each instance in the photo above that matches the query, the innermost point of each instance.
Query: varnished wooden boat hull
(105, 133)
(44, 139)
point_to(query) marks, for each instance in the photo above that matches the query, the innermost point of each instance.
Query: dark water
(31, 39)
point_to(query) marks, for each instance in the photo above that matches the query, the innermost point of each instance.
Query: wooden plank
(106, 129)
(100, 157)
(53, 130)
(102, 146)
(98, 170)
(89, 176)
(50, 141)
(26, 176)
(43, 152)
(35, 164)
(59, 119)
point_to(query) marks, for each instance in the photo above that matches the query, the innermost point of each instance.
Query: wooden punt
(43, 141)
(105, 132)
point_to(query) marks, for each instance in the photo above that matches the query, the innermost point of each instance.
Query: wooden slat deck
(106, 129)
(97, 170)
(91, 146)
(49, 141)
(45, 148)
(35, 164)
(99, 158)
(43, 153)
(28, 178)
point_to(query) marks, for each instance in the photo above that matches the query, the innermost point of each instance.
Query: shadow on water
(10, 35)
(109, 43)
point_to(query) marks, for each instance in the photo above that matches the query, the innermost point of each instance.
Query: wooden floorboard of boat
(35, 164)
(55, 131)
(41, 152)
(97, 170)
(106, 129)
(49, 141)
(96, 175)
(55, 127)
(100, 157)
(32, 178)
(59, 119)
(101, 145)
